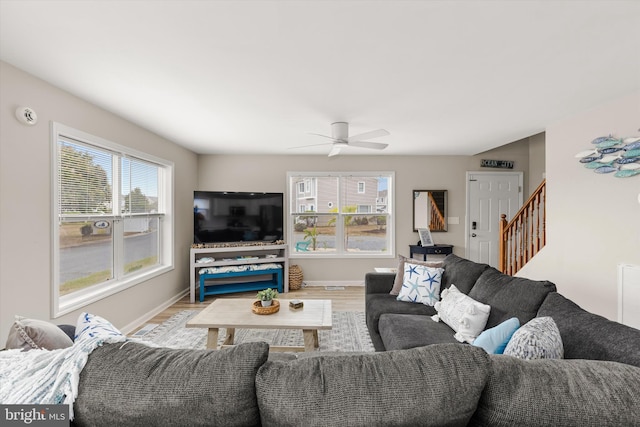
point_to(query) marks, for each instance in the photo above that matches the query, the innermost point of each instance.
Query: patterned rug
(349, 333)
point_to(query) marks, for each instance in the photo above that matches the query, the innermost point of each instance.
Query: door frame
(520, 175)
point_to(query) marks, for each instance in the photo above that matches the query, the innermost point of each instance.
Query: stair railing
(437, 217)
(523, 237)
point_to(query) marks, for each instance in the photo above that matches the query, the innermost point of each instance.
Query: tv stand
(229, 254)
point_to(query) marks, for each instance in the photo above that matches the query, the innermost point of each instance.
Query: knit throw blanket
(52, 376)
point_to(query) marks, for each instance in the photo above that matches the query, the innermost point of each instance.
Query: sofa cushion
(539, 338)
(379, 304)
(69, 330)
(510, 296)
(397, 284)
(403, 331)
(461, 272)
(494, 340)
(462, 313)
(435, 385)
(33, 334)
(559, 393)
(590, 336)
(133, 384)
(421, 284)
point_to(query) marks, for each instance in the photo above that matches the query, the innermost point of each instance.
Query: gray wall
(593, 221)
(268, 173)
(25, 210)
(537, 155)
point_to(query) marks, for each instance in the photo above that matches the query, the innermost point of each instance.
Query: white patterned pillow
(420, 284)
(462, 313)
(537, 339)
(91, 326)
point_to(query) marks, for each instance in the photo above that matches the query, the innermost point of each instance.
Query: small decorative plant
(266, 296)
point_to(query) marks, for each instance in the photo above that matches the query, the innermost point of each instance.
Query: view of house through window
(340, 213)
(110, 209)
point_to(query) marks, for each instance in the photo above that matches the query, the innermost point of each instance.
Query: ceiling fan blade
(368, 135)
(368, 144)
(310, 145)
(324, 136)
(335, 151)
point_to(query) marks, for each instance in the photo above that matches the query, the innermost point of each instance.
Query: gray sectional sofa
(600, 356)
(424, 378)
(435, 385)
(396, 325)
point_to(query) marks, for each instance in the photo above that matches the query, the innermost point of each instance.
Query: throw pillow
(421, 284)
(494, 340)
(90, 325)
(32, 334)
(397, 284)
(466, 316)
(537, 339)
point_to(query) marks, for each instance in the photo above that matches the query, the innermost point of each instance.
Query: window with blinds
(110, 209)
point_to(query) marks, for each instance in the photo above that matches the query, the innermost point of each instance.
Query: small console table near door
(237, 255)
(430, 250)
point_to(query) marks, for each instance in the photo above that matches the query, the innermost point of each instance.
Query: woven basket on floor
(295, 277)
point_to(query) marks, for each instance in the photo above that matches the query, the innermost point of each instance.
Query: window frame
(342, 253)
(62, 304)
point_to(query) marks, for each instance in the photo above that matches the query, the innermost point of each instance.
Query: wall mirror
(430, 210)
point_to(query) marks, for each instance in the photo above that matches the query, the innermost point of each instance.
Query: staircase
(522, 237)
(437, 216)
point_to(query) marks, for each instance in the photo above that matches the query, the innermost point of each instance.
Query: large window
(340, 214)
(112, 218)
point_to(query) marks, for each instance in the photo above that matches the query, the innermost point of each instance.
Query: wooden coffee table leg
(310, 339)
(316, 342)
(231, 334)
(212, 339)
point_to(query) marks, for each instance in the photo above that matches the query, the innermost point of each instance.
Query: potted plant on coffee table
(267, 296)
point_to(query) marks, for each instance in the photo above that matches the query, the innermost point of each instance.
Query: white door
(489, 194)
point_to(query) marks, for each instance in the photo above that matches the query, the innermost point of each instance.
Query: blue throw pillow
(494, 340)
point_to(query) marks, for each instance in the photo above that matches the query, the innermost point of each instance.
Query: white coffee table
(236, 313)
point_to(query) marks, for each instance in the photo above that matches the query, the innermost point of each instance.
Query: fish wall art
(609, 155)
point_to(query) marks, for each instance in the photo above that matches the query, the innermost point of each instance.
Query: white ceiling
(443, 77)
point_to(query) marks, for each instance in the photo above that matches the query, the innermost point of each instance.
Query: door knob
(473, 234)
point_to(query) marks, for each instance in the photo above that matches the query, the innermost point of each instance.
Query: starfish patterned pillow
(420, 284)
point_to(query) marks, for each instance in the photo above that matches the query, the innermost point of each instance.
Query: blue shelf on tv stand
(217, 289)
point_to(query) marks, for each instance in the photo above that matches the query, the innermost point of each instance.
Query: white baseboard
(333, 283)
(127, 329)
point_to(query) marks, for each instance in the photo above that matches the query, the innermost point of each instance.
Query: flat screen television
(229, 217)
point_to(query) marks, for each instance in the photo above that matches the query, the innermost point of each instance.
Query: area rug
(349, 333)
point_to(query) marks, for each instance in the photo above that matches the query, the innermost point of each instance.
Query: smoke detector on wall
(27, 116)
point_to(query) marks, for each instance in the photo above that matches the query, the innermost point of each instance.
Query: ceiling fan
(340, 138)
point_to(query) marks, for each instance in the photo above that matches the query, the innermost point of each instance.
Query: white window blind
(85, 179)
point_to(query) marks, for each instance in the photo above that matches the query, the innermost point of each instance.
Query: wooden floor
(346, 298)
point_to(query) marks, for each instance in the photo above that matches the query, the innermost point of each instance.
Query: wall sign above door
(500, 164)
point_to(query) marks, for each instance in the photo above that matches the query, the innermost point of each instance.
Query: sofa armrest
(378, 283)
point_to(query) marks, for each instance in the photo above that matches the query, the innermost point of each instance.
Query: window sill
(69, 303)
(314, 255)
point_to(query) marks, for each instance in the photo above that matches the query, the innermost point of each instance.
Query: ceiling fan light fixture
(340, 138)
(340, 131)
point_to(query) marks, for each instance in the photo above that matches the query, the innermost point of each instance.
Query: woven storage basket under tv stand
(295, 277)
